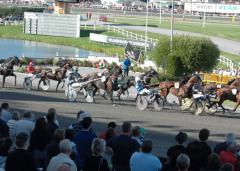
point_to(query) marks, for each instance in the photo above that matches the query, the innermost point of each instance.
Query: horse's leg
(15, 79)
(236, 106)
(63, 82)
(4, 77)
(39, 82)
(58, 84)
(180, 100)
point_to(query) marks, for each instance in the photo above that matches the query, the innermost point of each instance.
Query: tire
(27, 83)
(124, 95)
(196, 108)
(211, 110)
(72, 95)
(45, 86)
(142, 103)
(158, 104)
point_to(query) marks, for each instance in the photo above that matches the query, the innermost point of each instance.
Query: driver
(141, 89)
(31, 69)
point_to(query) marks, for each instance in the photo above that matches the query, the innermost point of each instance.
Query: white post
(160, 13)
(94, 26)
(85, 26)
(146, 30)
(204, 15)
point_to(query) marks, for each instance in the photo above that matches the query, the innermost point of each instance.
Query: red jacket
(30, 69)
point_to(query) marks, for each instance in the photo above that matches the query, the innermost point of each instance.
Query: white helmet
(137, 79)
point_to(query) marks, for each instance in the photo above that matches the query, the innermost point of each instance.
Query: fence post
(85, 26)
(108, 27)
(94, 26)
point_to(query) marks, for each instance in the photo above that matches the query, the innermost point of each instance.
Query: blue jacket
(139, 86)
(126, 64)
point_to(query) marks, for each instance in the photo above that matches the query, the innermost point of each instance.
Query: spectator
(51, 125)
(230, 137)
(78, 125)
(5, 114)
(144, 160)
(123, 147)
(136, 135)
(111, 125)
(83, 140)
(96, 160)
(12, 124)
(213, 163)
(228, 155)
(20, 159)
(63, 157)
(110, 133)
(64, 167)
(199, 151)
(183, 162)
(25, 124)
(53, 147)
(40, 138)
(69, 134)
(5, 144)
(4, 130)
(174, 151)
(227, 167)
(126, 66)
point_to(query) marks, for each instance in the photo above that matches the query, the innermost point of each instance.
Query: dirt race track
(161, 127)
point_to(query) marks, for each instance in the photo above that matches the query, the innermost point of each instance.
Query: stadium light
(146, 30)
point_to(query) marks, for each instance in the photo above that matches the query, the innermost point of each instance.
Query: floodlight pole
(146, 30)
(204, 15)
(160, 13)
(172, 15)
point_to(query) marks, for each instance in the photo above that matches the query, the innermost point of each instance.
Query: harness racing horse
(146, 77)
(6, 68)
(182, 89)
(58, 76)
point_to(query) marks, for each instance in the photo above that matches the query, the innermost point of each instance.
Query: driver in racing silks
(140, 87)
(73, 75)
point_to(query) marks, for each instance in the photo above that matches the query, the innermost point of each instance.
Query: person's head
(227, 167)
(50, 117)
(15, 115)
(147, 146)
(112, 125)
(30, 63)
(204, 134)
(59, 135)
(22, 141)
(98, 146)
(69, 134)
(65, 146)
(126, 127)
(5, 106)
(87, 122)
(52, 111)
(181, 137)
(27, 115)
(110, 133)
(232, 146)
(5, 144)
(213, 162)
(183, 162)
(40, 124)
(136, 132)
(230, 137)
(81, 115)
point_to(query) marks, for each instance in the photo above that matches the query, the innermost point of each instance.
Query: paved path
(225, 45)
(160, 126)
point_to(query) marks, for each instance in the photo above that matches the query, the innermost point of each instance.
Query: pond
(21, 48)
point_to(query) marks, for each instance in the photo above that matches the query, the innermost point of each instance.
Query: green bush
(189, 54)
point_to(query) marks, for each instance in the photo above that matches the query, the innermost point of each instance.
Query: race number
(176, 84)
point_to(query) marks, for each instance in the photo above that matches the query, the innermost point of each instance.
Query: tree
(189, 54)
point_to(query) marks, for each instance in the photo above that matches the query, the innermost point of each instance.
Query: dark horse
(6, 68)
(183, 88)
(146, 77)
(58, 76)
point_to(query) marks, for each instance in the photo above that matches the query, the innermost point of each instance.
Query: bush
(189, 54)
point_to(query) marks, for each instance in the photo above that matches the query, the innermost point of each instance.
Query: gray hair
(183, 162)
(65, 146)
(98, 146)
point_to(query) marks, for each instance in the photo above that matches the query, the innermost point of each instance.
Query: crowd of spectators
(28, 145)
(227, 72)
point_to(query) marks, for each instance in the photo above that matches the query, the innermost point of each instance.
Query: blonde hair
(98, 146)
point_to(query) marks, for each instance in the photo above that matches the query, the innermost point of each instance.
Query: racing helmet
(137, 79)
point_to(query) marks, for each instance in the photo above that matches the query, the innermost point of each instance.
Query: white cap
(137, 79)
(84, 115)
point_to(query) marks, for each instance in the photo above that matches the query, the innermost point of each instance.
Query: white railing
(226, 61)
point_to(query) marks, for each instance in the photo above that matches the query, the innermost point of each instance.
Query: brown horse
(182, 89)
(58, 76)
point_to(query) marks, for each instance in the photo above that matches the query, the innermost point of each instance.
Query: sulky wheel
(45, 85)
(158, 104)
(124, 95)
(27, 83)
(142, 103)
(196, 108)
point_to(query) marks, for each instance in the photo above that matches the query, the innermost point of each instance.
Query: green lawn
(15, 32)
(228, 31)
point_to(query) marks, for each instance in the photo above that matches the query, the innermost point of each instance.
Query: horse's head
(194, 79)
(66, 65)
(12, 61)
(234, 82)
